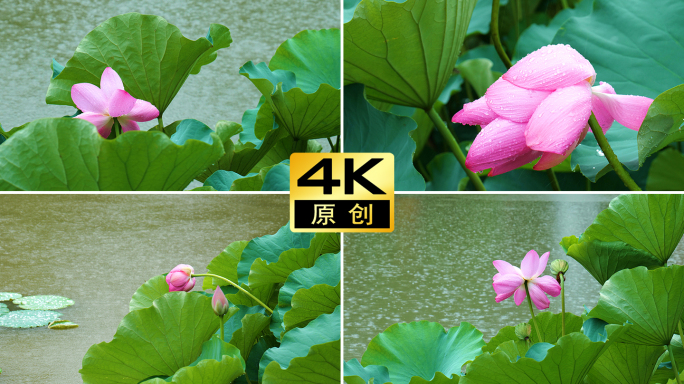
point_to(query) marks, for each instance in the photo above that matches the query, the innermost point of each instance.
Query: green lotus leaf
(7, 296)
(43, 302)
(567, 362)
(538, 351)
(218, 363)
(225, 264)
(325, 270)
(487, 51)
(515, 349)
(405, 53)
(320, 366)
(299, 342)
(478, 72)
(270, 247)
(192, 129)
(308, 304)
(151, 56)
(153, 289)
(536, 36)
(153, 342)
(243, 327)
(447, 174)
(62, 324)
(595, 329)
(301, 84)
(284, 148)
(660, 175)
(279, 180)
(650, 301)
(550, 327)
(377, 131)
(423, 349)
(355, 373)
(663, 123)
(28, 318)
(68, 154)
(3, 309)
(482, 17)
(653, 223)
(591, 161)
(619, 33)
(625, 363)
(602, 259)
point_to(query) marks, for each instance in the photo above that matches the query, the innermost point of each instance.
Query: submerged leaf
(28, 318)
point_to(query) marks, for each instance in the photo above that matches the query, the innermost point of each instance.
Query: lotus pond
(109, 254)
(508, 95)
(221, 63)
(431, 300)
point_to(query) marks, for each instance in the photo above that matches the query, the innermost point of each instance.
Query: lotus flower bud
(523, 331)
(180, 278)
(219, 303)
(559, 266)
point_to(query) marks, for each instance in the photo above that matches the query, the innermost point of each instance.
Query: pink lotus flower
(511, 280)
(541, 107)
(101, 105)
(219, 302)
(180, 278)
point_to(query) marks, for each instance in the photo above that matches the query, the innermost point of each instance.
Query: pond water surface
(437, 264)
(36, 31)
(97, 250)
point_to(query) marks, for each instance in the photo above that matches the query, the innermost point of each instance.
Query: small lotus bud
(219, 303)
(523, 331)
(559, 266)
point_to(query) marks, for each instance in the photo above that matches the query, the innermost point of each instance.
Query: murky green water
(437, 264)
(97, 250)
(35, 31)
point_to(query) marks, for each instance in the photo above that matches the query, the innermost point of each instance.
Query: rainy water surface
(437, 264)
(35, 31)
(97, 250)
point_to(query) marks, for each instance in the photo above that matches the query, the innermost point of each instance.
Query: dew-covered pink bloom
(540, 108)
(101, 105)
(219, 303)
(179, 279)
(510, 281)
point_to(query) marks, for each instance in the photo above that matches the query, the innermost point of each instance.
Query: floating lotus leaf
(650, 301)
(62, 324)
(355, 373)
(153, 342)
(152, 57)
(7, 296)
(68, 154)
(377, 131)
(144, 296)
(28, 318)
(405, 53)
(603, 259)
(3, 309)
(663, 123)
(43, 302)
(299, 343)
(423, 349)
(301, 85)
(567, 362)
(653, 223)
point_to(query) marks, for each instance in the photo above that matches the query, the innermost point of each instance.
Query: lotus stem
(610, 155)
(453, 145)
(674, 364)
(534, 319)
(681, 334)
(552, 178)
(269, 310)
(495, 34)
(161, 124)
(565, 4)
(332, 147)
(337, 144)
(562, 281)
(222, 334)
